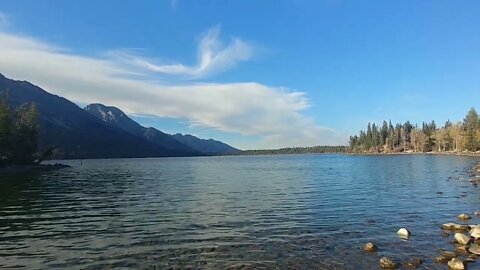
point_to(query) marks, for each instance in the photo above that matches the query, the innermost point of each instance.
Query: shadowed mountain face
(75, 133)
(115, 117)
(206, 146)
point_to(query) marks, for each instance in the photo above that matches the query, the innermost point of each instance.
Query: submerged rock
(441, 259)
(461, 250)
(457, 264)
(404, 233)
(448, 254)
(464, 217)
(388, 263)
(456, 227)
(370, 247)
(412, 263)
(462, 239)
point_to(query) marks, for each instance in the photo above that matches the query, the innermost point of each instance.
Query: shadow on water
(19, 194)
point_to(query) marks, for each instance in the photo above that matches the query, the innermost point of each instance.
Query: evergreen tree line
(458, 137)
(297, 150)
(18, 134)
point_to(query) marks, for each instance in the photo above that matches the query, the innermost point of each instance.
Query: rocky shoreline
(32, 168)
(463, 237)
(450, 153)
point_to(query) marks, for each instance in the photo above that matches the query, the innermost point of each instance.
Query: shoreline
(32, 168)
(463, 154)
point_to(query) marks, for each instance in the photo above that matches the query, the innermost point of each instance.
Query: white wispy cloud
(213, 57)
(272, 113)
(3, 19)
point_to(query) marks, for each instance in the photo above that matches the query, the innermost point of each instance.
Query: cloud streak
(3, 19)
(213, 57)
(272, 113)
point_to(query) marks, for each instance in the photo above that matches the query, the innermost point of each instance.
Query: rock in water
(448, 254)
(404, 233)
(475, 232)
(413, 263)
(463, 217)
(456, 227)
(462, 239)
(387, 263)
(475, 249)
(441, 259)
(457, 264)
(370, 247)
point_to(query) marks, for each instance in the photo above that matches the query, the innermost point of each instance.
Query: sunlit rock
(403, 233)
(457, 264)
(462, 239)
(388, 263)
(370, 247)
(463, 217)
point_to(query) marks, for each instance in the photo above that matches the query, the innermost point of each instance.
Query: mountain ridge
(116, 117)
(71, 132)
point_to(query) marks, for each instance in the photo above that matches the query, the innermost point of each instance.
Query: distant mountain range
(100, 131)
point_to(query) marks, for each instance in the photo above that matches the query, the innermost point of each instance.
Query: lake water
(265, 212)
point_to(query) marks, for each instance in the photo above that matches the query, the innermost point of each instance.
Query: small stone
(461, 250)
(457, 264)
(439, 192)
(413, 263)
(475, 232)
(370, 247)
(477, 213)
(462, 239)
(475, 249)
(463, 217)
(388, 263)
(471, 259)
(445, 234)
(441, 259)
(404, 233)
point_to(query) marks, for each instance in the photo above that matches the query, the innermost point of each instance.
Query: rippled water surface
(264, 212)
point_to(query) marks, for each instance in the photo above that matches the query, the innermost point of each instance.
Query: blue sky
(255, 74)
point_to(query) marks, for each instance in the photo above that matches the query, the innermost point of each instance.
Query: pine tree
(24, 135)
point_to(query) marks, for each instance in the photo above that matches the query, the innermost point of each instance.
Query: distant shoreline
(32, 168)
(464, 154)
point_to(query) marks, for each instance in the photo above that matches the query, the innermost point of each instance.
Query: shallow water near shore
(264, 212)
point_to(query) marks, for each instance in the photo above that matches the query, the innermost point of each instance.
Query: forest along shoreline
(461, 237)
(460, 137)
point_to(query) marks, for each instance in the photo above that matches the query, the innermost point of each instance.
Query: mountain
(75, 133)
(115, 117)
(209, 146)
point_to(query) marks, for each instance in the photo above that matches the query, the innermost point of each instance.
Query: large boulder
(475, 249)
(462, 239)
(475, 232)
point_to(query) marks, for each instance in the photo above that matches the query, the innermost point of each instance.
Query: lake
(242, 212)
